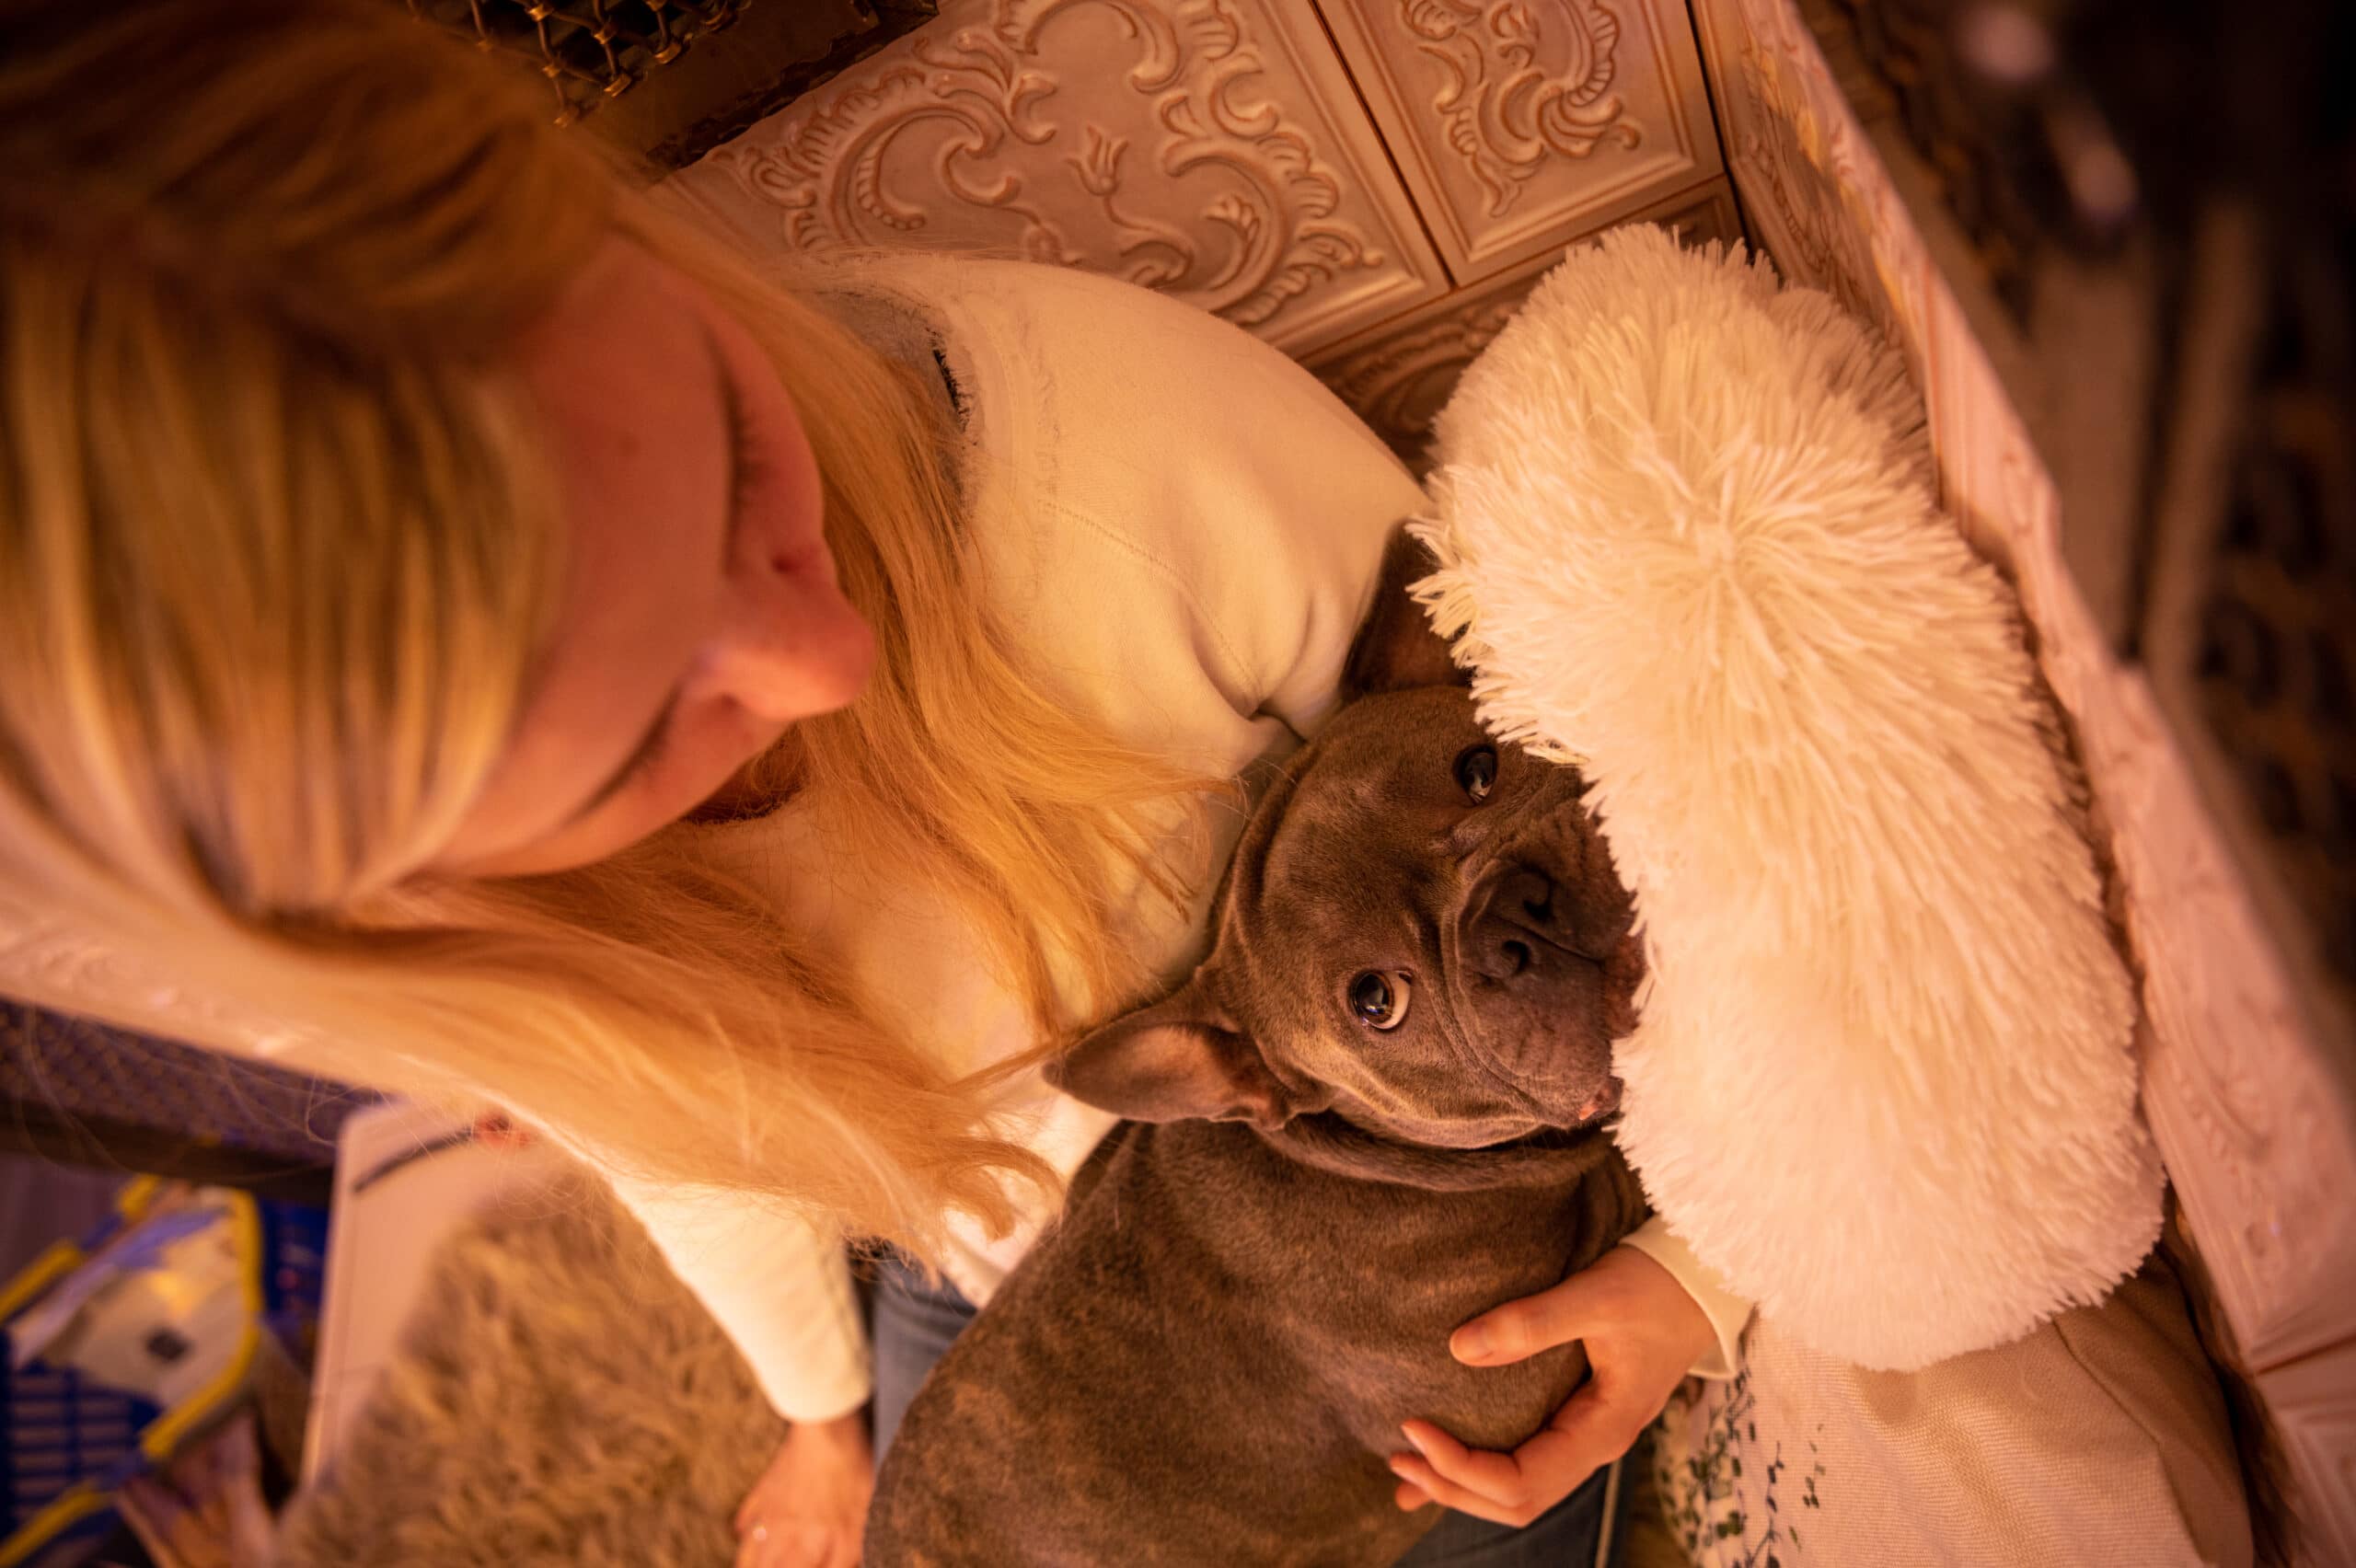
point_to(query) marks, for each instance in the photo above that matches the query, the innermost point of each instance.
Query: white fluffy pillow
(1882, 1080)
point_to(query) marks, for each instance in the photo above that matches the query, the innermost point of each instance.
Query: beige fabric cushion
(2100, 1439)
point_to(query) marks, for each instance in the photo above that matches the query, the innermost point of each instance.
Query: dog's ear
(1179, 1060)
(1396, 649)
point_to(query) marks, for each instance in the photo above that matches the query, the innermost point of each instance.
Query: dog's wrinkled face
(1421, 933)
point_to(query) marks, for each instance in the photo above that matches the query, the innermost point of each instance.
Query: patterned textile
(2101, 1437)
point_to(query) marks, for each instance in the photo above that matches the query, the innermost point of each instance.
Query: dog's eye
(1380, 1001)
(1476, 772)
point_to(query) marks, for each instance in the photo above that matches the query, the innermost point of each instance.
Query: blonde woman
(463, 632)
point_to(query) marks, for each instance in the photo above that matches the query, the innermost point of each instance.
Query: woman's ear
(1396, 648)
(1179, 1060)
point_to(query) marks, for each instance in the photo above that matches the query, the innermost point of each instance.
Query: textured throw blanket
(561, 1399)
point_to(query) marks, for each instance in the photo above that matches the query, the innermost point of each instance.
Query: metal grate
(590, 50)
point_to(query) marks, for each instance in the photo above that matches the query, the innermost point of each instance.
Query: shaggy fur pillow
(1882, 1080)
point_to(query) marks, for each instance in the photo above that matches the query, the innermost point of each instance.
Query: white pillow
(1882, 1081)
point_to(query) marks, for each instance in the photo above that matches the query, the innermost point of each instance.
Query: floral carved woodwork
(1310, 186)
(1518, 123)
(1501, 110)
(1183, 146)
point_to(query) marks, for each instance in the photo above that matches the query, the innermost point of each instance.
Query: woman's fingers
(1494, 1476)
(760, 1546)
(1472, 1480)
(809, 1507)
(1587, 1434)
(1576, 1308)
(1418, 1475)
(790, 1544)
(1507, 1488)
(1642, 1331)
(1592, 1429)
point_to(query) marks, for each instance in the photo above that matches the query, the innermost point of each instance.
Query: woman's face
(699, 616)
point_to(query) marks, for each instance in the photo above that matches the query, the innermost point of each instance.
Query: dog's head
(1421, 932)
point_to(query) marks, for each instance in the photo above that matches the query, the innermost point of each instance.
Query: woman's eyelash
(650, 756)
(743, 468)
(743, 462)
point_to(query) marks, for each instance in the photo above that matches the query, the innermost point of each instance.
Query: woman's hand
(1642, 1331)
(809, 1509)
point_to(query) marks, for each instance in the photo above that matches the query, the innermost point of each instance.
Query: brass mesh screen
(589, 51)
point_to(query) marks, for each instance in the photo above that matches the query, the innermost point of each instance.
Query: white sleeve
(777, 1285)
(1728, 1312)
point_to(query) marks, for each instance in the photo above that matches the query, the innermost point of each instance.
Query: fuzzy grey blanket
(563, 1400)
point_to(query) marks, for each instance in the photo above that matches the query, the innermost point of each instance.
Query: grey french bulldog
(1371, 1115)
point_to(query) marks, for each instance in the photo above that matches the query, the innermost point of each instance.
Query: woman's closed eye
(744, 458)
(747, 472)
(744, 479)
(647, 761)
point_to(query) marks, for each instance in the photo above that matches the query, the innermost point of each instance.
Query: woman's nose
(792, 645)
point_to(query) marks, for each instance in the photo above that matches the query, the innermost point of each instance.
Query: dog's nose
(1502, 937)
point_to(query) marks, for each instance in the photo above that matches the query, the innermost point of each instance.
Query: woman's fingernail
(1414, 1442)
(1470, 1344)
(1399, 1468)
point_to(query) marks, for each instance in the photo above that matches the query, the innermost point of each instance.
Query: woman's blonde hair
(276, 557)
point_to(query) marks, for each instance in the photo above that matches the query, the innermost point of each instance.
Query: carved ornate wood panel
(1398, 375)
(1211, 148)
(1515, 124)
(1303, 185)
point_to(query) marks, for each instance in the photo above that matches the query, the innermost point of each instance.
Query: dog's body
(1371, 1115)
(1208, 1360)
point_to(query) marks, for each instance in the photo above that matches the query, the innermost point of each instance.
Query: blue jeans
(915, 1322)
